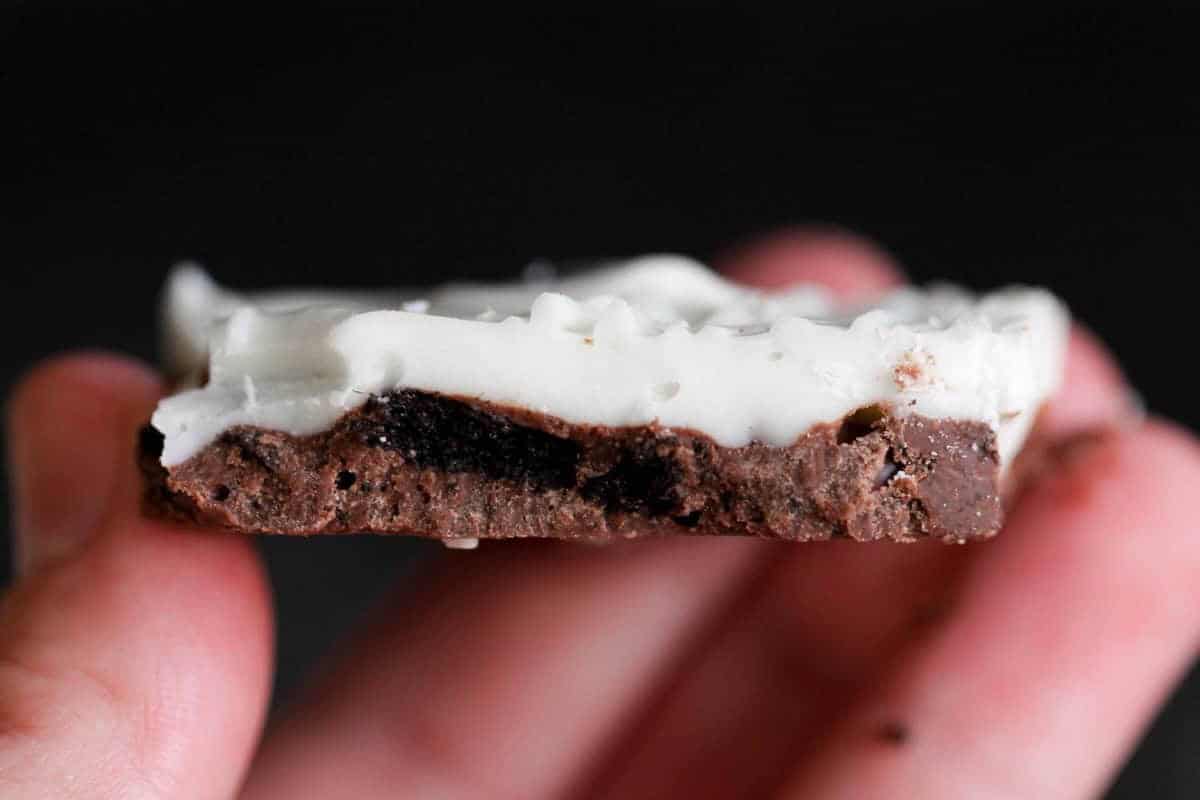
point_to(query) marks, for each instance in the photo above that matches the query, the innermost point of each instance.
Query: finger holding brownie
(135, 655)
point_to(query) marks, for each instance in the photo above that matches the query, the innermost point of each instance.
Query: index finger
(126, 644)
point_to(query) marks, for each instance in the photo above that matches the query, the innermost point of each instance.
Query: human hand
(136, 657)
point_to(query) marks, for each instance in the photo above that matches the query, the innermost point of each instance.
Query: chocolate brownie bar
(645, 398)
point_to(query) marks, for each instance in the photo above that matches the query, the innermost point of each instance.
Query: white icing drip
(659, 338)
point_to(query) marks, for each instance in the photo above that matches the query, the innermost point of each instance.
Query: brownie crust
(424, 464)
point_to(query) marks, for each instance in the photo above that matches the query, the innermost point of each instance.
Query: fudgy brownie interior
(421, 463)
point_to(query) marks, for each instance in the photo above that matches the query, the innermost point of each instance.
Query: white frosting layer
(658, 338)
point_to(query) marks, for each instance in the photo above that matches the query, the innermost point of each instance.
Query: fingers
(1066, 637)
(1094, 393)
(499, 675)
(70, 422)
(134, 657)
(1093, 397)
(843, 262)
(779, 666)
(511, 672)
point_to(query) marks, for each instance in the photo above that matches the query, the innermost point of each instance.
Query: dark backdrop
(368, 148)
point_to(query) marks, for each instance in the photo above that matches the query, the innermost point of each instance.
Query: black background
(367, 148)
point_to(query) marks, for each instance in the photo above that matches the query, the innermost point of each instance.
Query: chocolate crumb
(911, 371)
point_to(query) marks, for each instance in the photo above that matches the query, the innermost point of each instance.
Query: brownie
(425, 464)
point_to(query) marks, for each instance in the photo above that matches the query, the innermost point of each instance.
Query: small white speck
(415, 306)
(465, 543)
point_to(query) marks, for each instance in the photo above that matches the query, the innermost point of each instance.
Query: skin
(135, 657)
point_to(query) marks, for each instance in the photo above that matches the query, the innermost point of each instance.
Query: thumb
(134, 657)
(70, 424)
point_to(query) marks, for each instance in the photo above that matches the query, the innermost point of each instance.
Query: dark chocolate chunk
(450, 435)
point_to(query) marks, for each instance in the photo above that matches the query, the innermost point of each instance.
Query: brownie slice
(426, 464)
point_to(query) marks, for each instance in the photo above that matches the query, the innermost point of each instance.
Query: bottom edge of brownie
(425, 464)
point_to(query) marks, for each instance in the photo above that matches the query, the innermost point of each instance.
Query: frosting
(659, 338)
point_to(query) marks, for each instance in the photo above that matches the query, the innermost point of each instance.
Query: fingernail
(67, 435)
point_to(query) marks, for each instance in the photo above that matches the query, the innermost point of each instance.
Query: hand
(135, 657)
